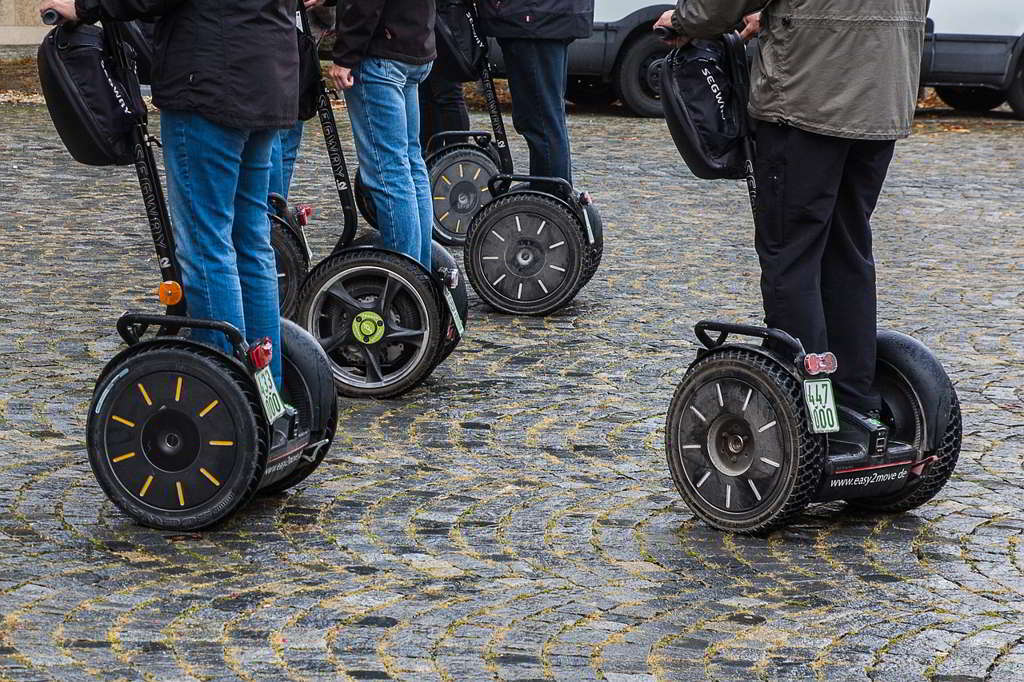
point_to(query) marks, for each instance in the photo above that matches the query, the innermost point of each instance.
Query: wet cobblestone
(513, 518)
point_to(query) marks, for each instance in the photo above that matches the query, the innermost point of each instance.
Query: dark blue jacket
(539, 19)
(234, 62)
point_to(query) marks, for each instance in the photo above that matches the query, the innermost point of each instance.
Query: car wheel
(1015, 95)
(977, 100)
(636, 81)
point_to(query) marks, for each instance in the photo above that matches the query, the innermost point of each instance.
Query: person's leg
(377, 109)
(290, 138)
(848, 276)
(442, 106)
(257, 271)
(417, 166)
(203, 160)
(283, 154)
(798, 177)
(536, 72)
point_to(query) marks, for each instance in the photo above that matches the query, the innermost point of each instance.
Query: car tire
(975, 100)
(633, 82)
(1015, 95)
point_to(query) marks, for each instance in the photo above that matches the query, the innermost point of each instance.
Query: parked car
(974, 54)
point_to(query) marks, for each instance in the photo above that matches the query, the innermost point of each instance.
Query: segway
(179, 435)
(384, 321)
(746, 433)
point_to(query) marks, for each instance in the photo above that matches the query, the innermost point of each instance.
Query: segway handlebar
(51, 17)
(131, 326)
(702, 328)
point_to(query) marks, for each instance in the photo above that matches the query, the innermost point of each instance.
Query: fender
(298, 233)
(766, 353)
(926, 376)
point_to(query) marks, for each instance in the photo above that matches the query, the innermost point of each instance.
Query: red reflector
(261, 352)
(824, 363)
(305, 213)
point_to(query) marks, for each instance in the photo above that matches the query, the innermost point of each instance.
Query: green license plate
(821, 405)
(455, 312)
(273, 407)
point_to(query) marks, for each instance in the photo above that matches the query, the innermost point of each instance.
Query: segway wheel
(459, 187)
(377, 317)
(525, 254)
(594, 251)
(292, 266)
(309, 388)
(175, 436)
(739, 444)
(364, 203)
(902, 413)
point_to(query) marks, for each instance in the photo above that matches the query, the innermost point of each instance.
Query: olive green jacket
(846, 68)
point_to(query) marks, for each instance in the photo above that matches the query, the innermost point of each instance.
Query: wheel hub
(464, 197)
(730, 442)
(527, 258)
(171, 440)
(368, 327)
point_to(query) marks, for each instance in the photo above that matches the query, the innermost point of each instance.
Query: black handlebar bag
(705, 87)
(461, 50)
(93, 100)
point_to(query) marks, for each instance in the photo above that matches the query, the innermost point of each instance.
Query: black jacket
(234, 62)
(539, 19)
(402, 30)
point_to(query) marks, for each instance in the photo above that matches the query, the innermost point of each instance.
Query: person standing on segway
(382, 53)
(834, 85)
(534, 36)
(225, 80)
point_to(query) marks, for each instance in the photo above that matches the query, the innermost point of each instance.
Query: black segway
(179, 435)
(384, 321)
(746, 431)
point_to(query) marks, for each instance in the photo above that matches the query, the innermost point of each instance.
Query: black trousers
(442, 108)
(538, 73)
(813, 238)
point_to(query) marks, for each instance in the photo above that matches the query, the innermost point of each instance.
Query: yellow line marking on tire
(213, 479)
(485, 189)
(181, 494)
(145, 487)
(478, 172)
(447, 181)
(461, 174)
(123, 457)
(440, 198)
(206, 410)
(145, 396)
(177, 391)
(441, 219)
(458, 225)
(122, 420)
(222, 443)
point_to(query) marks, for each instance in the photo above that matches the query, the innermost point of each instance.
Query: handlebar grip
(665, 33)
(51, 17)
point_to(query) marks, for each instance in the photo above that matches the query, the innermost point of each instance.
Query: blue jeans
(537, 77)
(383, 106)
(217, 181)
(282, 159)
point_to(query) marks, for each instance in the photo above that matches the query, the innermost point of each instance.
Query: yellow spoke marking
(123, 457)
(458, 225)
(447, 181)
(440, 198)
(122, 420)
(145, 487)
(206, 410)
(461, 175)
(177, 391)
(213, 479)
(222, 443)
(181, 494)
(145, 396)
(447, 213)
(485, 189)
(478, 172)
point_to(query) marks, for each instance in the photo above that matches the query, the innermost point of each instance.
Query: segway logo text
(716, 90)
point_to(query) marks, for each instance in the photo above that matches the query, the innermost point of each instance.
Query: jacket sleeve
(91, 11)
(710, 18)
(356, 24)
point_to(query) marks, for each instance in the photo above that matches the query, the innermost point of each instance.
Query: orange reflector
(170, 293)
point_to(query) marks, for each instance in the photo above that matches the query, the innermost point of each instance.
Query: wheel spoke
(332, 343)
(340, 294)
(373, 370)
(387, 296)
(413, 337)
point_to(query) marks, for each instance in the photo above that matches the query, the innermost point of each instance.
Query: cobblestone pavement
(513, 518)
